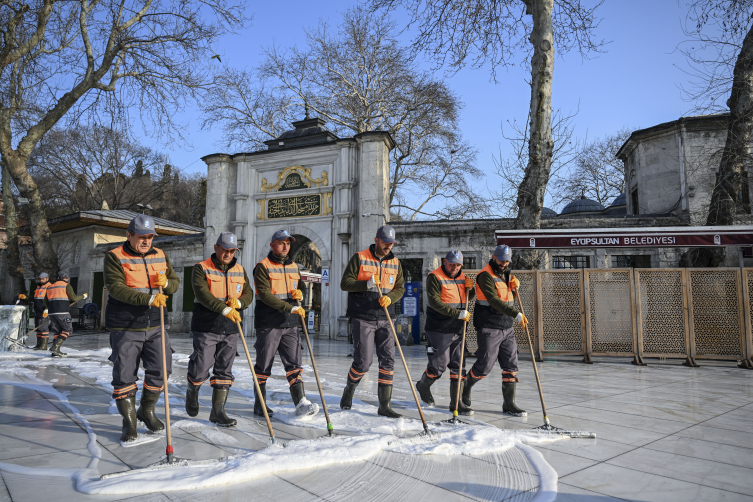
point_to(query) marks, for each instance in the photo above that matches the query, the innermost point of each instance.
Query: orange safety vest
(503, 292)
(453, 290)
(57, 298)
(219, 287)
(283, 278)
(141, 272)
(385, 270)
(39, 295)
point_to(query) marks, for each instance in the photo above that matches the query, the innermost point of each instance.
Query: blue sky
(634, 84)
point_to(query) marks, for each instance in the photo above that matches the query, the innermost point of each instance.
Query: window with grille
(631, 261)
(469, 262)
(569, 262)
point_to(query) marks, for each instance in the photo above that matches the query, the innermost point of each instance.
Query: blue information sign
(410, 306)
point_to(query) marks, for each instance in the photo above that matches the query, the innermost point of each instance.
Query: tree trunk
(44, 257)
(724, 198)
(540, 144)
(15, 268)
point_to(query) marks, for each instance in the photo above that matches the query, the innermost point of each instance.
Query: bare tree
(512, 167)
(15, 269)
(358, 78)
(731, 21)
(82, 167)
(595, 173)
(78, 58)
(458, 33)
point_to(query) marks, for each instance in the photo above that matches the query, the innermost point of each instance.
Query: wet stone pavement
(665, 432)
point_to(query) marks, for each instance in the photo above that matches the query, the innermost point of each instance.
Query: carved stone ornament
(293, 178)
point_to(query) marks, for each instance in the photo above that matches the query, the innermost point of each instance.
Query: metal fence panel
(561, 311)
(661, 311)
(716, 312)
(610, 311)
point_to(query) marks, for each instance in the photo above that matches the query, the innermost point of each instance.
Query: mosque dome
(582, 205)
(548, 213)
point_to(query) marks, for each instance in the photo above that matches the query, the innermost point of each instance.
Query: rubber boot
(257, 403)
(218, 416)
(423, 387)
(462, 408)
(55, 349)
(385, 397)
(469, 383)
(303, 407)
(192, 399)
(127, 408)
(509, 407)
(145, 413)
(41, 343)
(346, 402)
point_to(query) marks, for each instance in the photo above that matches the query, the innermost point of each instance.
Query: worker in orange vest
(493, 319)
(43, 334)
(277, 319)
(448, 291)
(134, 272)
(221, 292)
(372, 268)
(58, 300)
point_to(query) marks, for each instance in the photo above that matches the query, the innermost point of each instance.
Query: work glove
(514, 283)
(44, 314)
(232, 314)
(158, 300)
(22, 297)
(233, 303)
(464, 315)
(468, 283)
(86, 295)
(523, 320)
(161, 280)
(373, 282)
(385, 301)
(299, 311)
(297, 294)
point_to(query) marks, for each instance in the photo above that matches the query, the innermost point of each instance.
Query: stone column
(373, 178)
(219, 167)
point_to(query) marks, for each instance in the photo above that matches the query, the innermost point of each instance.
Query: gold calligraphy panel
(294, 207)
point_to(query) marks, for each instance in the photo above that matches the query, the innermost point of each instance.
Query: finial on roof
(306, 105)
(105, 206)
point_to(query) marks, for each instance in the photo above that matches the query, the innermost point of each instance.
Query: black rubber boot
(423, 387)
(218, 415)
(55, 349)
(462, 408)
(127, 408)
(346, 402)
(469, 383)
(192, 399)
(297, 392)
(145, 413)
(257, 403)
(41, 343)
(385, 397)
(509, 407)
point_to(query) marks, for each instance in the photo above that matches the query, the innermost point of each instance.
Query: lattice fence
(609, 311)
(661, 311)
(561, 326)
(716, 312)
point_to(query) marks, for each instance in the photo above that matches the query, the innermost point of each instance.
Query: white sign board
(410, 306)
(325, 276)
(311, 320)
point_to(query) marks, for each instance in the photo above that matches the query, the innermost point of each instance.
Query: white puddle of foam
(378, 435)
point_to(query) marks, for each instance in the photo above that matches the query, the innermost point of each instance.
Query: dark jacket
(207, 309)
(270, 311)
(498, 314)
(440, 317)
(362, 303)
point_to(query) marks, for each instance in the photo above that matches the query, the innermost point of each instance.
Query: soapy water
(502, 465)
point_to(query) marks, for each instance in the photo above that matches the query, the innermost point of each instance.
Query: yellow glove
(373, 282)
(299, 311)
(523, 320)
(232, 314)
(385, 302)
(161, 280)
(464, 315)
(44, 314)
(159, 301)
(22, 297)
(514, 283)
(86, 295)
(297, 294)
(468, 283)
(233, 303)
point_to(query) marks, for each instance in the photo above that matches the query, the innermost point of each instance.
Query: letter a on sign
(325, 275)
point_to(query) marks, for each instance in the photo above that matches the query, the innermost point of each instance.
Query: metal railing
(641, 313)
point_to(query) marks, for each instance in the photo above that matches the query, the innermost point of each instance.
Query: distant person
(20, 298)
(40, 311)
(221, 292)
(60, 294)
(134, 272)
